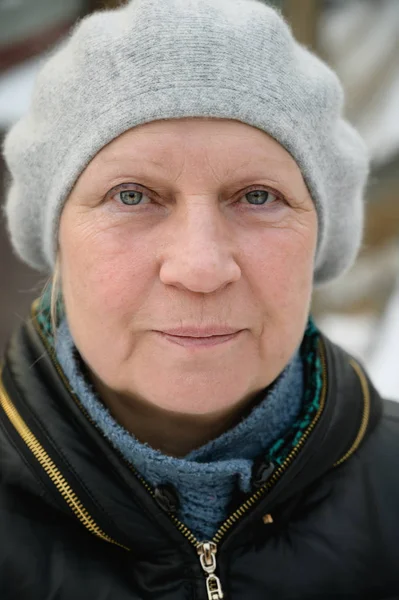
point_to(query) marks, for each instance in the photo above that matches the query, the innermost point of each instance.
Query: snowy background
(361, 40)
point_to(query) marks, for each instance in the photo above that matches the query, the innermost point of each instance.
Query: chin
(196, 399)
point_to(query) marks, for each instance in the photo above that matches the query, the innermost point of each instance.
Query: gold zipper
(51, 469)
(285, 464)
(365, 416)
(207, 550)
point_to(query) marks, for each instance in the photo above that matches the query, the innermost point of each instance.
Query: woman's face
(187, 250)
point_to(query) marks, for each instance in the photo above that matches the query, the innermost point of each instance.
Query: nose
(200, 256)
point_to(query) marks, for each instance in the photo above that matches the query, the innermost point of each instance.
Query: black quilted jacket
(77, 523)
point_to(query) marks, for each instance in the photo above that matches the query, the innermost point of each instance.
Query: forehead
(224, 145)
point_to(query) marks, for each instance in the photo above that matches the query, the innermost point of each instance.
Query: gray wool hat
(163, 59)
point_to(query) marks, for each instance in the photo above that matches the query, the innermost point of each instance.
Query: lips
(200, 332)
(194, 337)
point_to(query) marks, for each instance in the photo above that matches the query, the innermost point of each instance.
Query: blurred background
(360, 39)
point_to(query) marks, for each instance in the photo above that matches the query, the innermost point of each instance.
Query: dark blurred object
(303, 15)
(19, 284)
(99, 4)
(28, 28)
(304, 18)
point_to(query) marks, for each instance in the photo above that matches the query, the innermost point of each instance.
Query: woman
(173, 424)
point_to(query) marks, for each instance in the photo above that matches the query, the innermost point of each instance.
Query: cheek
(105, 272)
(280, 266)
(281, 263)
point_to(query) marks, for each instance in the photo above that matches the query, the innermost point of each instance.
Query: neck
(180, 433)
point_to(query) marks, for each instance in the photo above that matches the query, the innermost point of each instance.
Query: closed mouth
(200, 340)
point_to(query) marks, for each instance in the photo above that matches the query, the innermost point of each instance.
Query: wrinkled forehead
(197, 148)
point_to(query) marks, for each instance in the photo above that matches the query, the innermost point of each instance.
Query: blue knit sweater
(207, 477)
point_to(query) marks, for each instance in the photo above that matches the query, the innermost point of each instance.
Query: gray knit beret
(162, 59)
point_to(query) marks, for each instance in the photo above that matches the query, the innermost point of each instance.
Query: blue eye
(260, 197)
(131, 197)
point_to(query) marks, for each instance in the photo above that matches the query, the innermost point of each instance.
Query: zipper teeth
(286, 463)
(365, 417)
(51, 469)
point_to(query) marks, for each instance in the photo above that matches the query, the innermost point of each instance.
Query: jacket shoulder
(382, 447)
(391, 410)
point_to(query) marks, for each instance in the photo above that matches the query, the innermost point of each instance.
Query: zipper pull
(207, 553)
